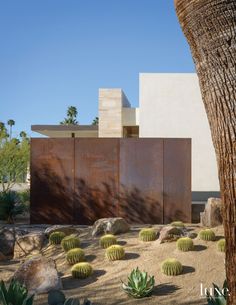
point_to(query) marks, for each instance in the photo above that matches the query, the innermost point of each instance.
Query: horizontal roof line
(63, 127)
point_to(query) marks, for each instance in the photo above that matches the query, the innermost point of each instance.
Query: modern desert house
(170, 106)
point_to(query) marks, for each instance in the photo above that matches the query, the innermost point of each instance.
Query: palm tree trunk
(210, 28)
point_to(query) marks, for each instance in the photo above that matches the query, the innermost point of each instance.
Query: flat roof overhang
(65, 131)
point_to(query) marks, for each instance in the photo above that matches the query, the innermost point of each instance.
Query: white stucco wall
(171, 106)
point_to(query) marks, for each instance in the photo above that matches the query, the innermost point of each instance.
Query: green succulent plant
(185, 244)
(81, 270)
(107, 241)
(15, 294)
(57, 297)
(115, 252)
(70, 242)
(207, 235)
(177, 224)
(147, 234)
(139, 284)
(74, 256)
(171, 266)
(218, 298)
(221, 245)
(55, 238)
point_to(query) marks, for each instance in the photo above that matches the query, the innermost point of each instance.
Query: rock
(7, 239)
(39, 275)
(115, 225)
(212, 215)
(169, 233)
(31, 243)
(68, 230)
(191, 235)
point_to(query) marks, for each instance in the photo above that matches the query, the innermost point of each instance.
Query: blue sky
(56, 53)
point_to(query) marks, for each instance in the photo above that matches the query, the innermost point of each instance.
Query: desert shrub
(81, 270)
(147, 234)
(57, 297)
(14, 294)
(207, 235)
(70, 242)
(115, 252)
(55, 238)
(74, 256)
(171, 266)
(139, 284)
(24, 197)
(185, 244)
(177, 224)
(10, 206)
(221, 245)
(107, 241)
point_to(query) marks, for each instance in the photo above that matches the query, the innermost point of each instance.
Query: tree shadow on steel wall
(51, 197)
(57, 200)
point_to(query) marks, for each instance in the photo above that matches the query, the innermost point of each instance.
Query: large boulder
(39, 275)
(170, 233)
(115, 225)
(28, 244)
(67, 229)
(7, 239)
(212, 215)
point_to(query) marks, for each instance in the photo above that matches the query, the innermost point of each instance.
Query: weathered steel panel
(96, 179)
(52, 183)
(141, 180)
(177, 180)
(81, 180)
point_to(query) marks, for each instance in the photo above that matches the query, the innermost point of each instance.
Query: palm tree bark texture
(210, 28)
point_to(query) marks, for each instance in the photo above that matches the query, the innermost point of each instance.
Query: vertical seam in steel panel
(163, 179)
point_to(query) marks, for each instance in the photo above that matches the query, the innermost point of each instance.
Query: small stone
(114, 226)
(169, 233)
(68, 230)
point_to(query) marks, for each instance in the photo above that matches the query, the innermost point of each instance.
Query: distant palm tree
(23, 134)
(71, 118)
(11, 123)
(95, 121)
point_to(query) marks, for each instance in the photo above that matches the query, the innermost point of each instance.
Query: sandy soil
(203, 265)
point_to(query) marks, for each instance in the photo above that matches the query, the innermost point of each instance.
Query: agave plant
(139, 284)
(10, 206)
(15, 294)
(219, 297)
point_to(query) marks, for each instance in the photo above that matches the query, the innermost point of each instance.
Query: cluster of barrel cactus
(147, 234)
(74, 255)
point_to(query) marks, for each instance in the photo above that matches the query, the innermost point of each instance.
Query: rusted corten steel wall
(79, 180)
